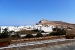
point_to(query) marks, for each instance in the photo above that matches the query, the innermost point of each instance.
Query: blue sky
(29, 12)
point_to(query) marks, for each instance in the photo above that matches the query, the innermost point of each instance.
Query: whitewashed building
(39, 27)
(44, 28)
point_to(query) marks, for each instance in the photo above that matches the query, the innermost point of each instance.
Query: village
(38, 32)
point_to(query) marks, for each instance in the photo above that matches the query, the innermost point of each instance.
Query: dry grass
(71, 31)
(28, 32)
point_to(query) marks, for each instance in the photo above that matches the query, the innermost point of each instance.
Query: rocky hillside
(55, 23)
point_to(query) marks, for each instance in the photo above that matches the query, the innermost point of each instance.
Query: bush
(54, 29)
(4, 35)
(53, 33)
(39, 35)
(58, 33)
(13, 36)
(29, 36)
(36, 30)
(4, 40)
(70, 36)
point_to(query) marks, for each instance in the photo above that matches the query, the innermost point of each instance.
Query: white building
(39, 27)
(44, 28)
(10, 28)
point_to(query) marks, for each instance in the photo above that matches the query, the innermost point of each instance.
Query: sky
(29, 12)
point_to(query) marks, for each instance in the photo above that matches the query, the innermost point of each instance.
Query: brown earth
(55, 23)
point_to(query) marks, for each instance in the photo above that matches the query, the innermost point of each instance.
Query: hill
(55, 23)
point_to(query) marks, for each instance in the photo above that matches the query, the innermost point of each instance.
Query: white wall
(39, 27)
(47, 29)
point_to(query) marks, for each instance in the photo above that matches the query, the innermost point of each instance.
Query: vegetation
(29, 36)
(4, 43)
(58, 31)
(70, 32)
(53, 33)
(39, 35)
(4, 40)
(54, 29)
(70, 35)
(28, 31)
(4, 34)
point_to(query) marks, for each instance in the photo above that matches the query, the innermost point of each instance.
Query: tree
(4, 34)
(5, 31)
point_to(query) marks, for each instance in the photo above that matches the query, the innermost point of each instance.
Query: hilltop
(55, 23)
